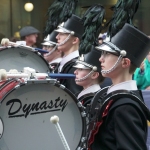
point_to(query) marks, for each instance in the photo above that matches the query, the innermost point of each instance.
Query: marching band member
(88, 75)
(54, 56)
(68, 39)
(123, 115)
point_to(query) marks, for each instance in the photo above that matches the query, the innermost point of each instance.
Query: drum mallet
(55, 120)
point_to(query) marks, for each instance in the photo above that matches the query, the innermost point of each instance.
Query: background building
(13, 15)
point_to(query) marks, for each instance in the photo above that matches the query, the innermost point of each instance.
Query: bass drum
(18, 58)
(25, 114)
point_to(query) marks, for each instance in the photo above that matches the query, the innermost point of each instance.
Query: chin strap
(51, 51)
(85, 77)
(122, 54)
(67, 38)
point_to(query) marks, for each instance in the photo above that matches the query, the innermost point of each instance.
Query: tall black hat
(90, 60)
(92, 20)
(129, 42)
(72, 26)
(51, 39)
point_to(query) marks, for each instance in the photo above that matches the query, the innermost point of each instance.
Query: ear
(95, 75)
(126, 63)
(75, 40)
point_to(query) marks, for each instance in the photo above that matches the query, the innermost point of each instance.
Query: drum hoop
(81, 110)
(42, 59)
(32, 52)
(3, 127)
(69, 93)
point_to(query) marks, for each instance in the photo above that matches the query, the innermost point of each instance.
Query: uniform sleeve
(130, 130)
(139, 77)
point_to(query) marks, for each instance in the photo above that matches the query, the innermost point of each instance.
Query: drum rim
(39, 54)
(83, 134)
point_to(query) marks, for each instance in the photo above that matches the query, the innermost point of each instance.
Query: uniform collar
(128, 85)
(58, 60)
(68, 58)
(92, 89)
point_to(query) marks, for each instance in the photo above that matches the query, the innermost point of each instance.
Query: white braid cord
(113, 68)
(51, 51)
(67, 38)
(85, 77)
(62, 137)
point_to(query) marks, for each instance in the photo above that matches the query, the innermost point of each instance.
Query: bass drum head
(25, 118)
(18, 58)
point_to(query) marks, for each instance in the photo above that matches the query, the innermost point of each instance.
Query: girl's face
(80, 73)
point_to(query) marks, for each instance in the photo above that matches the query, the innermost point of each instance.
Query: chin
(105, 75)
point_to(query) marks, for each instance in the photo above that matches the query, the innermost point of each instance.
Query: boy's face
(51, 56)
(80, 73)
(107, 62)
(60, 38)
(45, 47)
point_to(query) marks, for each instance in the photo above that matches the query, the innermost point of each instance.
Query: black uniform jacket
(86, 99)
(124, 128)
(70, 83)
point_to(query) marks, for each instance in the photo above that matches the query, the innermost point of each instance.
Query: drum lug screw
(83, 114)
(79, 104)
(83, 139)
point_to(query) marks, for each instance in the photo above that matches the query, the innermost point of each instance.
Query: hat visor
(50, 42)
(47, 44)
(62, 30)
(104, 47)
(81, 66)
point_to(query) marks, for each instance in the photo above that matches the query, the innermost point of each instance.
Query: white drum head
(18, 58)
(26, 111)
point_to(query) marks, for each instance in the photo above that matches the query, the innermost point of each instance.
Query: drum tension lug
(79, 104)
(83, 114)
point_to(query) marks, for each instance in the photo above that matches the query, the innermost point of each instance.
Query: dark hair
(132, 69)
(100, 78)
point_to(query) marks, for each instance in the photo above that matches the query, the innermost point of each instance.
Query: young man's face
(60, 38)
(80, 73)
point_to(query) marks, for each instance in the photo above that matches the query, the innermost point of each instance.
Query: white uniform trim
(92, 89)
(67, 59)
(128, 85)
(58, 60)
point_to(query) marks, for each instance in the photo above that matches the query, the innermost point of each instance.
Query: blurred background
(14, 14)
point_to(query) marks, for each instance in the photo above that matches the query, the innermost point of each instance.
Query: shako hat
(90, 60)
(129, 40)
(72, 26)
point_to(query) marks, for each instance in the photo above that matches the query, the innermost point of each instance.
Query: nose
(75, 72)
(57, 37)
(101, 59)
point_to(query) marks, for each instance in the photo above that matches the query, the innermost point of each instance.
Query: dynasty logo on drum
(17, 109)
(1, 128)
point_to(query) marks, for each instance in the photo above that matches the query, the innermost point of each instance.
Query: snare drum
(25, 114)
(18, 58)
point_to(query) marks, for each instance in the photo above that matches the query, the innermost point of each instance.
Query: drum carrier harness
(102, 104)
